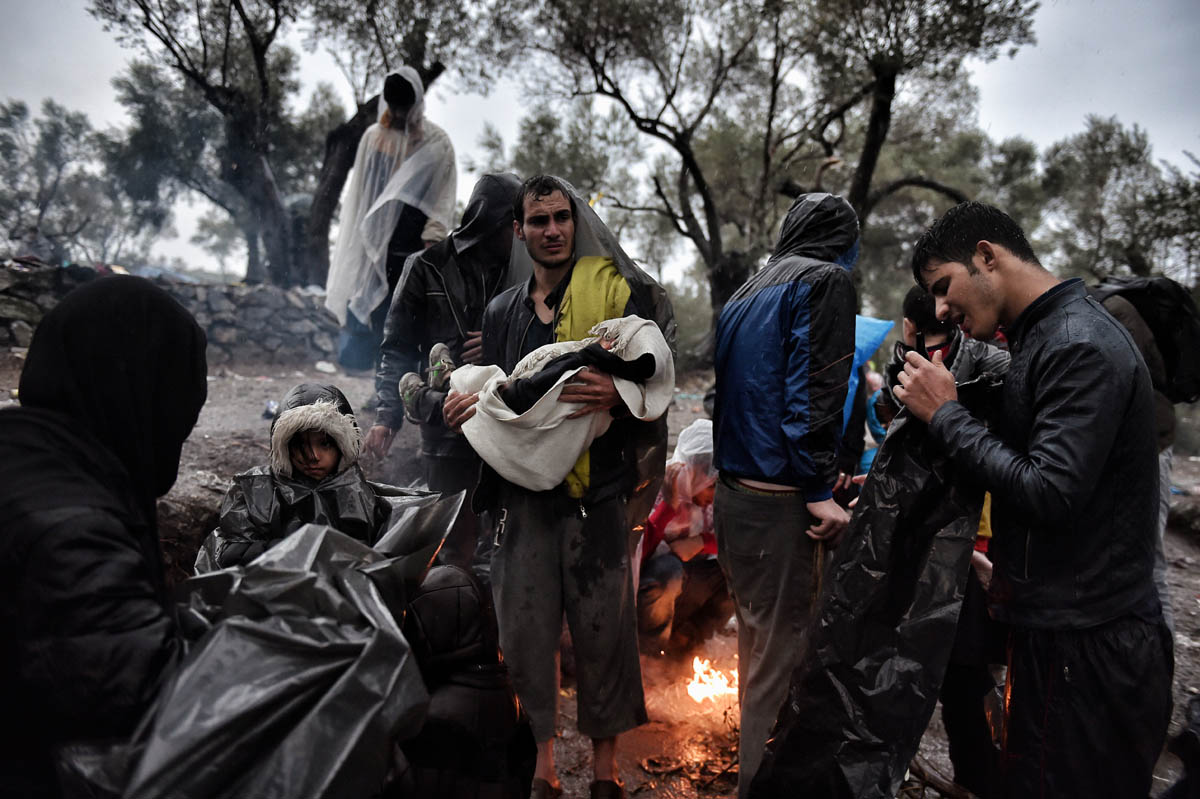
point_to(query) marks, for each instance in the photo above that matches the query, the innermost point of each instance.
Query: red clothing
(656, 529)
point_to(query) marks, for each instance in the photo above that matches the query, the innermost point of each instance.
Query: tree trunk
(255, 269)
(732, 270)
(247, 171)
(341, 145)
(878, 125)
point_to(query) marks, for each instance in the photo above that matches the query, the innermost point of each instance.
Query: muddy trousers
(768, 564)
(1088, 710)
(551, 561)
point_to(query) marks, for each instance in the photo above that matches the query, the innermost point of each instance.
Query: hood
(819, 226)
(126, 364)
(490, 206)
(313, 406)
(417, 114)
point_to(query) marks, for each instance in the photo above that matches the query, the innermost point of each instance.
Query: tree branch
(912, 180)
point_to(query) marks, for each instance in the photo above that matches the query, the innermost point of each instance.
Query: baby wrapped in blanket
(521, 429)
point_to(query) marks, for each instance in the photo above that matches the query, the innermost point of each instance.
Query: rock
(225, 334)
(271, 343)
(5, 337)
(7, 278)
(295, 300)
(302, 327)
(257, 315)
(323, 341)
(201, 295)
(202, 319)
(1184, 515)
(219, 303)
(15, 308)
(46, 302)
(21, 332)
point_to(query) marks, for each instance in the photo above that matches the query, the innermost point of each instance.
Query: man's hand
(379, 441)
(925, 386)
(595, 390)
(687, 547)
(457, 409)
(473, 347)
(843, 481)
(832, 519)
(983, 568)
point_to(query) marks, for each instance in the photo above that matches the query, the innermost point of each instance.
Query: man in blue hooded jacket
(785, 345)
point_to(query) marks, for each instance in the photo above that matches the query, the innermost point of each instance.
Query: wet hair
(920, 309)
(953, 237)
(398, 92)
(539, 186)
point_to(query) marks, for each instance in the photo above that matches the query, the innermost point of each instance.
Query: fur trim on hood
(322, 415)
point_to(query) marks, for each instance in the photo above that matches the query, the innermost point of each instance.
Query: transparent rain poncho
(394, 167)
(690, 472)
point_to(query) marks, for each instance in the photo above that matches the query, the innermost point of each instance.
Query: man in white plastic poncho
(400, 199)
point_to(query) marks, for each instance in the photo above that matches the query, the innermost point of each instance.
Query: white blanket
(538, 448)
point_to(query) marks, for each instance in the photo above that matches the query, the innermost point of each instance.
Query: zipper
(450, 303)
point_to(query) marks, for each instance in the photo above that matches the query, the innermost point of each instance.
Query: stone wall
(244, 323)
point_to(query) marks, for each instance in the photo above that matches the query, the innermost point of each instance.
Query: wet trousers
(768, 564)
(551, 561)
(1088, 710)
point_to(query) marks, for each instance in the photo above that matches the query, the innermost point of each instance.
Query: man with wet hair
(1071, 465)
(785, 347)
(568, 550)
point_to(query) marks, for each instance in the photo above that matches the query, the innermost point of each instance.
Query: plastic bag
(301, 681)
(881, 633)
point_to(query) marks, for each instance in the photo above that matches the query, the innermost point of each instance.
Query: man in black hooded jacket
(1072, 468)
(112, 386)
(440, 298)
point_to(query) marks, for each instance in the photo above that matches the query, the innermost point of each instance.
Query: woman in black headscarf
(112, 386)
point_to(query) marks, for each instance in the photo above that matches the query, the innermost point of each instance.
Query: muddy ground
(688, 749)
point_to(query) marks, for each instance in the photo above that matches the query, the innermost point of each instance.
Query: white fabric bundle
(538, 448)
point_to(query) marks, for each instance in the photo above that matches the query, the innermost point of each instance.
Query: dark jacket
(785, 346)
(629, 459)
(1072, 468)
(441, 296)
(268, 503)
(967, 359)
(112, 386)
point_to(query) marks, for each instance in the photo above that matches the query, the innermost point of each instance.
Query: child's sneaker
(409, 384)
(440, 366)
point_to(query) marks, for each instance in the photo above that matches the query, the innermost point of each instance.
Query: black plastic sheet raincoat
(877, 647)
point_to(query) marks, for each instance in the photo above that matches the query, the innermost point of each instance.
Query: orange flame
(710, 683)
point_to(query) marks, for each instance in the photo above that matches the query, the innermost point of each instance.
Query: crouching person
(112, 385)
(476, 742)
(682, 596)
(313, 477)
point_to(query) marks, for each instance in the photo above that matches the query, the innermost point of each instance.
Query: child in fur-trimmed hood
(313, 477)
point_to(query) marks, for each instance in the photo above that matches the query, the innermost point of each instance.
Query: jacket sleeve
(1078, 406)
(820, 353)
(95, 638)
(400, 351)
(241, 535)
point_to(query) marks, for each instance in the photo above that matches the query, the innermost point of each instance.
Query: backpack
(1170, 312)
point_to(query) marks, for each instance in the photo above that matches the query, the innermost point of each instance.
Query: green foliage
(61, 200)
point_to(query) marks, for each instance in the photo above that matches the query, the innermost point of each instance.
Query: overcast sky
(1137, 61)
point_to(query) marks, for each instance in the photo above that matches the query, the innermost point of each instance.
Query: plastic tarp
(869, 334)
(881, 633)
(301, 681)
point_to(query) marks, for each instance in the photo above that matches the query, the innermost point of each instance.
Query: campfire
(710, 684)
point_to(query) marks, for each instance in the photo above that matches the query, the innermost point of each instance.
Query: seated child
(313, 477)
(682, 597)
(521, 430)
